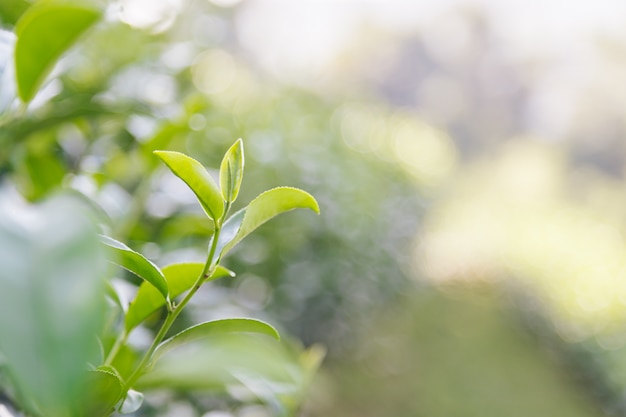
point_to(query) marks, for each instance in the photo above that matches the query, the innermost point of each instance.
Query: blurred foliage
(93, 127)
(457, 352)
(415, 134)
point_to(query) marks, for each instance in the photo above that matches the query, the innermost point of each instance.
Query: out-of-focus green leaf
(263, 208)
(180, 278)
(112, 294)
(231, 172)
(198, 179)
(132, 402)
(230, 360)
(40, 168)
(11, 10)
(313, 357)
(137, 264)
(104, 391)
(215, 327)
(44, 32)
(125, 361)
(52, 299)
(185, 225)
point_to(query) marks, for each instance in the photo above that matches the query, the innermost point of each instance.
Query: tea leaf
(180, 278)
(44, 32)
(263, 208)
(52, 299)
(198, 179)
(231, 172)
(137, 264)
(104, 391)
(215, 327)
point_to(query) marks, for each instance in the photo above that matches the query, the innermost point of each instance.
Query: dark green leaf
(198, 179)
(215, 327)
(263, 208)
(11, 10)
(44, 32)
(137, 264)
(231, 172)
(180, 278)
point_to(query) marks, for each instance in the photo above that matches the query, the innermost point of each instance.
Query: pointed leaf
(266, 206)
(132, 402)
(105, 388)
(215, 327)
(137, 264)
(231, 171)
(180, 278)
(198, 179)
(44, 32)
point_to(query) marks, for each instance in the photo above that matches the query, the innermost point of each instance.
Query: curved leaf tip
(262, 209)
(197, 179)
(137, 264)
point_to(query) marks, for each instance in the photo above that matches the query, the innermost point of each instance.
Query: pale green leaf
(198, 179)
(180, 278)
(215, 327)
(215, 363)
(52, 299)
(263, 208)
(44, 32)
(231, 172)
(137, 264)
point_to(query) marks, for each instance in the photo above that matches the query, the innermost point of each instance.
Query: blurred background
(468, 157)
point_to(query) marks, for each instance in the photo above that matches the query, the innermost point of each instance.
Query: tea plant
(109, 386)
(66, 345)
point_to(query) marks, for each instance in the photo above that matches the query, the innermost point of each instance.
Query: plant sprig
(161, 287)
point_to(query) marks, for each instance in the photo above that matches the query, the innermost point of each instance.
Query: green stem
(207, 271)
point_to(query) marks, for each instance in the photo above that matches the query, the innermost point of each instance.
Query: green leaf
(216, 363)
(105, 388)
(180, 278)
(132, 402)
(231, 172)
(198, 179)
(52, 299)
(215, 327)
(44, 32)
(11, 10)
(263, 208)
(137, 264)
